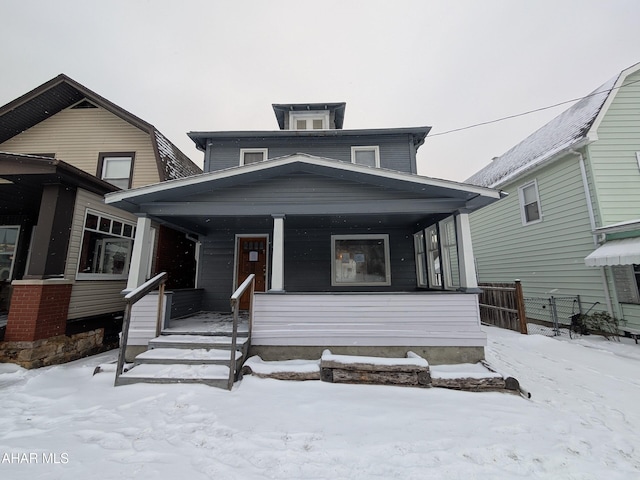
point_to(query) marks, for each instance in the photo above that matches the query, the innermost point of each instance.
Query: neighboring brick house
(64, 254)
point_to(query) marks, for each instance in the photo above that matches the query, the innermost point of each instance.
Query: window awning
(625, 251)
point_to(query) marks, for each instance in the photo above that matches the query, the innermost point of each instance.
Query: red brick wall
(37, 311)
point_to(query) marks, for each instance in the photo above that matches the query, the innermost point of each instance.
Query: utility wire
(531, 111)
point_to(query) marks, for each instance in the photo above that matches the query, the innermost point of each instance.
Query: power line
(531, 111)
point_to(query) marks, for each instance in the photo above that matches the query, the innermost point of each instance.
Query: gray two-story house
(351, 248)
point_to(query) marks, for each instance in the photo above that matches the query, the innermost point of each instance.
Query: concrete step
(186, 356)
(206, 342)
(214, 375)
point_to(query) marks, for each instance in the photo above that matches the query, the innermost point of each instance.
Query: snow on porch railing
(130, 298)
(235, 307)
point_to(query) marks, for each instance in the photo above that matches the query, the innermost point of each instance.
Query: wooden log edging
(410, 371)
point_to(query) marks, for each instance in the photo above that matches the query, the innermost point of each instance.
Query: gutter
(592, 220)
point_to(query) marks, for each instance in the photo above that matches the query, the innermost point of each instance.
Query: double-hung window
(360, 260)
(366, 155)
(106, 247)
(116, 168)
(253, 155)
(530, 203)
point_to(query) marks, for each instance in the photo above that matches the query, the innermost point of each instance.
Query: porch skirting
(442, 327)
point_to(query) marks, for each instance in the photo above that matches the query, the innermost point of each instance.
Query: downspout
(592, 220)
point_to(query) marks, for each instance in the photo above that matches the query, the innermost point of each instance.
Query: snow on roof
(565, 130)
(175, 163)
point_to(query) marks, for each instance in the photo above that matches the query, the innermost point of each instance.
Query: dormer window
(313, 120)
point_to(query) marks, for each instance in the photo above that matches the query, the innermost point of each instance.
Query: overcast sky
(211, 65)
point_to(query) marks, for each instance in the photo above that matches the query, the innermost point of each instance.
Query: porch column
(468, 280)
(277, 260)
(140, 255)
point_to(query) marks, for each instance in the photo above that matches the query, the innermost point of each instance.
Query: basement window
(105, 253)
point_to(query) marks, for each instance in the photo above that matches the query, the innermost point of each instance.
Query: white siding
(429, 319)
(78, 136)
(144, 318)
(91, 297)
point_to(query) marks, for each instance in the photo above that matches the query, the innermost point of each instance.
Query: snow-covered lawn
(582, 422)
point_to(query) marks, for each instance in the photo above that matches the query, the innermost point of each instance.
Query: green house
(571, 222)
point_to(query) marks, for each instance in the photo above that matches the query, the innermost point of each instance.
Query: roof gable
(571, 129)
(413, 185)
(62, 92)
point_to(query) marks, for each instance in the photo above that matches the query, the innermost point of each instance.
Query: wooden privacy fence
(502, 305)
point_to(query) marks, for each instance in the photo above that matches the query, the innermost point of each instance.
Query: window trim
(105, 276)
(264, 151)
(101, 163)
(364, 148)
(311, 115)
(523, 213)
(364, 236)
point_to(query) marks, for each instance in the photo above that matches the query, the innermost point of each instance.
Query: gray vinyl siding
(548, 257)
(301, 189)
(396, 151)
(613, 157)
(91, 297)
(307, 262)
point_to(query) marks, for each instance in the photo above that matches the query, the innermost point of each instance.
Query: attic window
(84, 104)
(253, 155)
(312, 120)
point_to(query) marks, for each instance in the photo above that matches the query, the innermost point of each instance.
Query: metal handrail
(130, 298)
(235, 307)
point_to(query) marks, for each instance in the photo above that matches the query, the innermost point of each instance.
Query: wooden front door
(251, 258)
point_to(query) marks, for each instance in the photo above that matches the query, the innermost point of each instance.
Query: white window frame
(104, 160)
(264, 151)
(448, 243)
(365, 148)
(434, 275)
(420, 253)
(15, 250)
(387, 260)
(106, 276)
(523, 214)
(309, 117)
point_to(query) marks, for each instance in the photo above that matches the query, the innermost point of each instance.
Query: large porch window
(360, 260)
(106, 248)
(8, 241)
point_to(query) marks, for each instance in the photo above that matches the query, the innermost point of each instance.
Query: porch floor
(208, 323)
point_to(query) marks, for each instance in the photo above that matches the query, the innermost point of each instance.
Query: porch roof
(281, 181)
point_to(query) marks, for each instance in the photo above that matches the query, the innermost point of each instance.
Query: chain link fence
(552, 316)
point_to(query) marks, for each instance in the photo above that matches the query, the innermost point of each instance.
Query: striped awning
(625, 251)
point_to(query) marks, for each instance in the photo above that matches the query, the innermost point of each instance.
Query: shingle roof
(568, 128)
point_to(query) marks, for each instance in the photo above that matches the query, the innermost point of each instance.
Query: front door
(251, 258)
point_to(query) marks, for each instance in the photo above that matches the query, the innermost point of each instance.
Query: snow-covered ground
(582, 422)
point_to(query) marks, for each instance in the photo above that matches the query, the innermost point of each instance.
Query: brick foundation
(38, 310)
